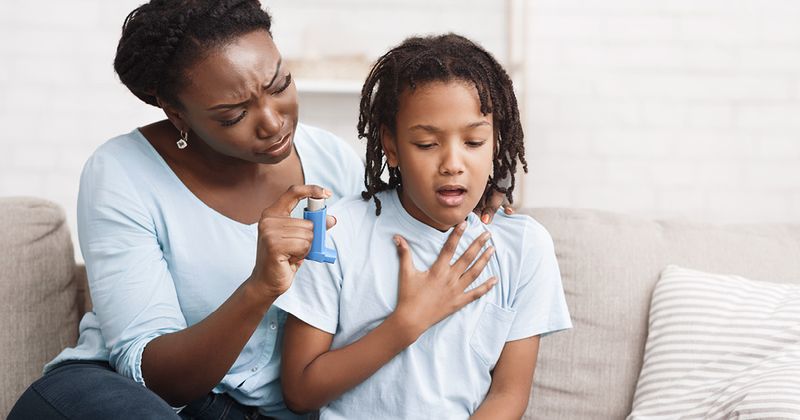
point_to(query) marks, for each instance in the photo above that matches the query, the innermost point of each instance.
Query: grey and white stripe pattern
(720, 347)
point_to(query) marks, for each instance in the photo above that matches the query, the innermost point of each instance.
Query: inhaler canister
(316, 211)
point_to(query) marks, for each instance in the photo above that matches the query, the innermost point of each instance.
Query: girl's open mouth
(451, 196)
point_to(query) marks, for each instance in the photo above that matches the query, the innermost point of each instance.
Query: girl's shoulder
(316, 141)
(521, 231)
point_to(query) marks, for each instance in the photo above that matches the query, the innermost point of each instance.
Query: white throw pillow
(720, 347)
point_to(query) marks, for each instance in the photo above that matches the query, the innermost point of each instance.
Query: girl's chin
(450, 219)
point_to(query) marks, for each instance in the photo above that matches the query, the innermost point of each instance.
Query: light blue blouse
(159, 259)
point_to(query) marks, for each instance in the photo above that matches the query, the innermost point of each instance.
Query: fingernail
(485, 218)
(396, 240)
(327, 192)
(490, 250)
(462, 226)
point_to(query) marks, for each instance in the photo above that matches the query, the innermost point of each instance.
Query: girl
(365, 342)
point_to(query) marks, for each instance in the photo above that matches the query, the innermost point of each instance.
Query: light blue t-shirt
(159, 259)
(445, 374)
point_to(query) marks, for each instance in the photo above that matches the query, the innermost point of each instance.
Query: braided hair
(442, 58)
(163, 38)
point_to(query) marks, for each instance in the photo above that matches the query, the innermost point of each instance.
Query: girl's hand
(426, 297)
(284, 241)
(488, 206)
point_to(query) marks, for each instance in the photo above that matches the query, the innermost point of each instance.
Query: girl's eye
(285, 86)
(424, 146)
(476, 143)
(228, 123)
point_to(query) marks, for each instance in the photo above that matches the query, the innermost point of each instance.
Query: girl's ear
(174, 115)
(389, 144)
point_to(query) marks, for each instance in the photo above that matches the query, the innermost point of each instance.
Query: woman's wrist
(264, 295)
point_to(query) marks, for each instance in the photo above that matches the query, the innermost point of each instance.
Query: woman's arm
(312, 374)
(187, 364)
(511, 381)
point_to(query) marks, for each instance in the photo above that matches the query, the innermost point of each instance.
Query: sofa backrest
(38, 294)
(609, 265)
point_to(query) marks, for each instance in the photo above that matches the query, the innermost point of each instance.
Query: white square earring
(182, 142)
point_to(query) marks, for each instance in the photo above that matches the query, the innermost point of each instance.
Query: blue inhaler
(316, 211)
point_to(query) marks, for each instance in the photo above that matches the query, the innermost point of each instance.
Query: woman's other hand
(426, 297)
(284, 241)
(488, 206)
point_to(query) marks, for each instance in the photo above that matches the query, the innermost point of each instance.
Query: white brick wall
(675, 109)
(680, 108)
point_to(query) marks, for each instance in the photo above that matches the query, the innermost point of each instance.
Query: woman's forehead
(232, 70)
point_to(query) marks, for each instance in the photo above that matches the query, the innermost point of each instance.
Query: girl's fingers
(469, 255)
(476, 293)
(470, 275)
(449, 248)
(406, 264)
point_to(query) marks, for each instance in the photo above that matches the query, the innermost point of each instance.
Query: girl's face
(444, 149)
(241, 101)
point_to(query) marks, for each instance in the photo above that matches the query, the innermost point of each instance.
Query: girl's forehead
(452, 104)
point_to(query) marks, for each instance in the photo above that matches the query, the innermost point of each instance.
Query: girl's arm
(511, 381)
(313, 375)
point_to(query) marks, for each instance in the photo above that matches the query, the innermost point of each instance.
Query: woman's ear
(389, 144)
(173, 115)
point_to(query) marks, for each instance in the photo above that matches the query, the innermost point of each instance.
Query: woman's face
(241, 101)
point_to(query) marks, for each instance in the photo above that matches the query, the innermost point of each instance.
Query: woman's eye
(476, 143)
(228, 123)
(286, 83)
(424, 146)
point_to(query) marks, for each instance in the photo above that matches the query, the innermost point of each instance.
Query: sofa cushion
(720, 347)
(38, 300)
(609, 265)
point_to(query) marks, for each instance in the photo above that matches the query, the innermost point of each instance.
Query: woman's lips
(279, 147)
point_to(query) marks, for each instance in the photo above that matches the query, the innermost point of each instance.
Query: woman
(185, 224)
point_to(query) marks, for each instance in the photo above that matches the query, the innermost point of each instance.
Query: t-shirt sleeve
(314, 295)
(353, 171)
(133, 294)
(539, 300)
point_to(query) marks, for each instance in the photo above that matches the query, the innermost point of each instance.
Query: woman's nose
(270, 121)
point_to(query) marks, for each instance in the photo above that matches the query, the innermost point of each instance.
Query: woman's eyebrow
(228, 106)
(277, 72)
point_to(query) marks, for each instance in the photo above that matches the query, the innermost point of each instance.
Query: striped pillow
(720, 347)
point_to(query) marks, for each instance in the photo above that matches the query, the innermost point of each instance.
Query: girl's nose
(451, 162)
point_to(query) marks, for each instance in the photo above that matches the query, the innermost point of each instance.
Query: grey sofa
(609, 265)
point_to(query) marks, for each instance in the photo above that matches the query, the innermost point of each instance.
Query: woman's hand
(488, 206)
(426, 297)
(284, 241)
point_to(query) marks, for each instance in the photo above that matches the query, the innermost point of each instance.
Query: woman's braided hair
(163, 38)
(444, 58)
